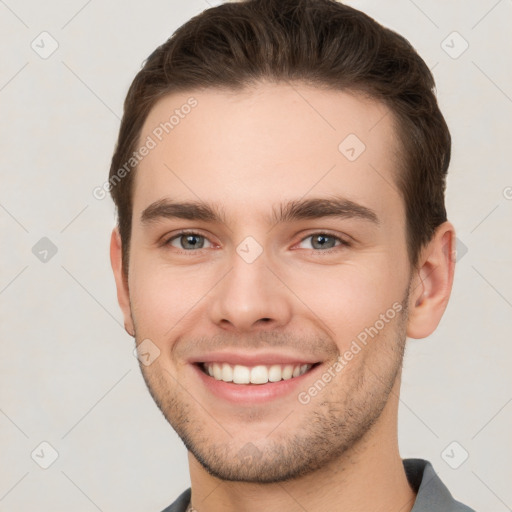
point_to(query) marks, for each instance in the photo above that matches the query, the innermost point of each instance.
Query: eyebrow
(289, 211)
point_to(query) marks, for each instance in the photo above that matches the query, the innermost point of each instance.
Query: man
(279, 179)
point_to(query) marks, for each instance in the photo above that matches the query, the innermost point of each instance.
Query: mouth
(256, 381)
(258, 374)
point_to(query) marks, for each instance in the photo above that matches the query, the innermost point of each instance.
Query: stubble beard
(332, 425)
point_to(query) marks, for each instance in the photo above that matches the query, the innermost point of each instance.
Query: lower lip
(254, 393)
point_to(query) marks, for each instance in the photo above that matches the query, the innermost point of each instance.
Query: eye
(324, 241)
(188, 241)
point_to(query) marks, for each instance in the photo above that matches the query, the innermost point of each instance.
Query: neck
(370, 476)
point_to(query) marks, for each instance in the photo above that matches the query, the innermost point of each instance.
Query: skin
(249, 151)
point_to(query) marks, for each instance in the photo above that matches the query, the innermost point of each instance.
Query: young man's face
(253, 289)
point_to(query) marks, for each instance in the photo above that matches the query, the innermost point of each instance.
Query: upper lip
(252, 359)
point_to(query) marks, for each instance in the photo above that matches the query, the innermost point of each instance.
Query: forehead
(254, 148)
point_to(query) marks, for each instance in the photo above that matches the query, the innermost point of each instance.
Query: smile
(259, 374)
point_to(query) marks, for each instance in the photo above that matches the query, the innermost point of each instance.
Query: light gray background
(67, 373)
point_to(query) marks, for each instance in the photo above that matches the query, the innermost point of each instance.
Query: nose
(250, 297)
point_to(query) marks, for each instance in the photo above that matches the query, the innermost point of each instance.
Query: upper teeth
(255, 375)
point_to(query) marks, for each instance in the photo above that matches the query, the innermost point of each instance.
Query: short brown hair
(320, 42)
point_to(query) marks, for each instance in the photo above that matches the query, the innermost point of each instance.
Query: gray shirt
(432, 494)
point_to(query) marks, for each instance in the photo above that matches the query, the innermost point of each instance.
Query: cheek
(164, 297)
(349, 297)
(343, 299)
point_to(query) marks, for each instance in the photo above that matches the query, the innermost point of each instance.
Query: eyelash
(343, 243)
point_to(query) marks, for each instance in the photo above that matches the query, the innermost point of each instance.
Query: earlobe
(430, 289)
(123, 296)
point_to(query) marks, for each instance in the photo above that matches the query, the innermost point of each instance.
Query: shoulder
(432, 494)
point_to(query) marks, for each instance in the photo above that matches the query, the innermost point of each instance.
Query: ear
(432, 282)
(123, 296)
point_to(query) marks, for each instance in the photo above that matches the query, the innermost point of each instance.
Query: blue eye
(324, 241)
(191, 241)
(188, 241)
